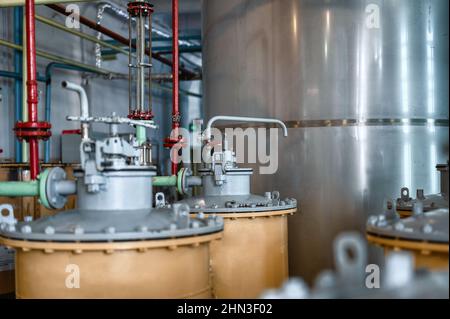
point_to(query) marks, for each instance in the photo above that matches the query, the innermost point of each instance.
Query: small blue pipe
(18, 15)
(18, 75)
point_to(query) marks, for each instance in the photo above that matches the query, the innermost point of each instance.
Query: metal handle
(242, 119)
(112, 120)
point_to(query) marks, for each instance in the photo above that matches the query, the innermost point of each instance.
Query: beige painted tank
(253, 254)
(6, 271)
(24, 206)
(173, 268)
(115, 244)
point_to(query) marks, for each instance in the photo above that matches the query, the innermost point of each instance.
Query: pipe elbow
(84, 104)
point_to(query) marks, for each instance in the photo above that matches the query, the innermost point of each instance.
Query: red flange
(140, 7)
(139, 115)
(70, 132)
(170, 142)
(33, 130)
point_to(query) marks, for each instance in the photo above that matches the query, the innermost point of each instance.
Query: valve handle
(113, 119)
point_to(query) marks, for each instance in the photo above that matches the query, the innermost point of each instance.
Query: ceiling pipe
(185, 73)
(13, 3)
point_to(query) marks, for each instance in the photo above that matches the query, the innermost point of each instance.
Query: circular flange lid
(239, 203)
(87, 225)
(431, 227)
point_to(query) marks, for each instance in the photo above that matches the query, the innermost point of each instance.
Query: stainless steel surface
(328, 62)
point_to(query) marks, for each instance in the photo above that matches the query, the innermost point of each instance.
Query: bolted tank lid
(239, 203)
(431, 227)
(101, 226)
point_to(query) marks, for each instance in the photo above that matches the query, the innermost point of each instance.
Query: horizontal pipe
(13, 3)
(18, 76)
(162, 39)
(165, 49)
(16, 189)
(165, 180)
(80, 34)
(57, 58)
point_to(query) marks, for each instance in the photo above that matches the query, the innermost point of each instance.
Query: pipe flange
(43, 176)
(182, 185)
(54, 198)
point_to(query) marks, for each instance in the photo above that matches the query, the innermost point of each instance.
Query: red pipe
(32, 88)
(175, 79)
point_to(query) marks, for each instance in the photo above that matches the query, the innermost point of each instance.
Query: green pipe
(141, 135)
(16, 189)
(80, 34)
(165, 180)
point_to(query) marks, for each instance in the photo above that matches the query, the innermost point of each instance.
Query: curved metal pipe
(242, 119)
(84, 105)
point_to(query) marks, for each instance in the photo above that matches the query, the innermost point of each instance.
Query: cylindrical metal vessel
(252, 256)
(173, 268)
(253, 253)
(115, 244)
(363, 86)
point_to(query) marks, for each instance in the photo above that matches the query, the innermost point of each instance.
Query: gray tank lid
(101, 226)
(431, 227)
(239, 203)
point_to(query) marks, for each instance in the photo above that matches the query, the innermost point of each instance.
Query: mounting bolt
(142, 229)
(28, 219)
(399, 226)
(26, 229)
(110, 230)
(372, 220)
(49, 230)
(427, 229)
(78, 230)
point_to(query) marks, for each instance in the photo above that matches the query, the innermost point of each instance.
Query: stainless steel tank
(364, 88)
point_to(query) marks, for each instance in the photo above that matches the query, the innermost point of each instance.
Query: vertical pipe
(175, 66)
(130, 66)
(32, 98)
(150, 108)
(48, 102)
(141, 39)
(24, 86)
(18, 82)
